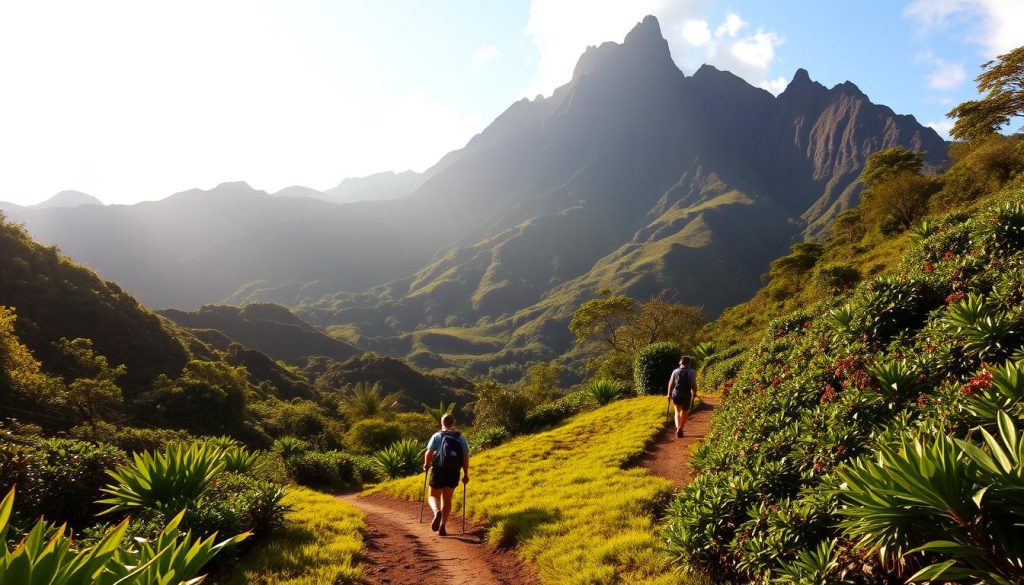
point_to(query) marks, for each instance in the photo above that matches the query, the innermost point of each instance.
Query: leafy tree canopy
(1002, 82)
(888, 163)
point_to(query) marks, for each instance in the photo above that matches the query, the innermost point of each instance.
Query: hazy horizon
(127, 102)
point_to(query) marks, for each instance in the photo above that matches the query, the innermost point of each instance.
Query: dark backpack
(451, 454)
(683, 385)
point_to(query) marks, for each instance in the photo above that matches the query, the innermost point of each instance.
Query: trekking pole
(463, 507)
(423, 496)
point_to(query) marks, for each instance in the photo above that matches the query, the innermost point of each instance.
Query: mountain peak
(645, 31)
(69, 199)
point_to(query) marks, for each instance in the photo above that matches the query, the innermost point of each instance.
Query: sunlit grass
(565, 500)
(319, 544)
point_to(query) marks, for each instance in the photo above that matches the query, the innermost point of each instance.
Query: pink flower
(928, 267)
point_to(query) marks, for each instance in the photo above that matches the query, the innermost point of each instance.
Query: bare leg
(435, 499)
(446, 504)
(681, 415)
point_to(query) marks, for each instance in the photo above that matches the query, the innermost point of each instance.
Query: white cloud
(696, 32)
(947, 76)
(731, 26)
(993, 24)
(485, 53)
(942, 127)
(775, 86)
(757, 50)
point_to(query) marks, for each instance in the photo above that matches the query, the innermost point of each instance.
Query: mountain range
(633, 178)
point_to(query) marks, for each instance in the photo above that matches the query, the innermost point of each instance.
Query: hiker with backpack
(447, 453)
(682, 389)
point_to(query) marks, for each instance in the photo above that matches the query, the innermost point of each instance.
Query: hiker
(682, 389)
(447, 453)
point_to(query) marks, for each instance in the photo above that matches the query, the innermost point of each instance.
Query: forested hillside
(874, 387)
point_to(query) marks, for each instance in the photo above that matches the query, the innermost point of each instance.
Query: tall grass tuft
(603, 390)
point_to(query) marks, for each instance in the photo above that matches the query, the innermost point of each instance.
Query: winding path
(668, 456)
(401, 551)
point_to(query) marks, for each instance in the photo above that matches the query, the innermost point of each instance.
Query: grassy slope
(564, 498)
(319, 543)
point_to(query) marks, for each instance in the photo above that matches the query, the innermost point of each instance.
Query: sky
(135, 100)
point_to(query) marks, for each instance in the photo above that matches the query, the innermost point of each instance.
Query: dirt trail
(668, 456)
(401, 551)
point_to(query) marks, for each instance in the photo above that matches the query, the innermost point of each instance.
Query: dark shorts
(681, 399)
(443, 479)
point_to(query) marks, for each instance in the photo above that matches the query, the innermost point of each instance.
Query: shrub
(58, 478)
(417, 425)
(371, 435)
(240, 459)
(653, 366)
(289, 447)
(602, 391)
(551, 413)
(487, 437)
(325, 469)
(164, 481)
(131, 439)
(237, 503)
(835, 278)
(400, 459)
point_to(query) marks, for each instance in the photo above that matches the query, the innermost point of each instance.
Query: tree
(26, 388)
(602, 318)
(541, 381)
(95, 391)
(899, 202)
(1002, 80)
(888, 163)
(498, 405)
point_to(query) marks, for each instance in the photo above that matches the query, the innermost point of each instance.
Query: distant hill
(377, 187)
(269, 328)
(632, 177)
(68, 199)
(416, 388)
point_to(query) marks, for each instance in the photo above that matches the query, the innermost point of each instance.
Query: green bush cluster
(324, 469)
(653, 365)
(554, 412)
(849, 380)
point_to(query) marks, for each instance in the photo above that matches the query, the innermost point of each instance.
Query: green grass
(563, 498)
(319, 544)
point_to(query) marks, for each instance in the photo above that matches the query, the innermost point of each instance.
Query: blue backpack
(451, 454)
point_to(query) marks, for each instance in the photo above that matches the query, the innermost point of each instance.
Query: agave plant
(438, 413)
(367, 401)
(165, 481)
(603, 390)
(986, 331)
(703, 351)
(1004, 230)
(290, 447)
(948, 504)
(840, 319)
(239, 459)
(820, 565)
(47, 556)
(994, 390)
(222, 442)
(897, 381)
(923, 231)
(400, 459)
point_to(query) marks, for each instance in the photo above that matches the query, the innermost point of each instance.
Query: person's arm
(428, 458)
(671, 379)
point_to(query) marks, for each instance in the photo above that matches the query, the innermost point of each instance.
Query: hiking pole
(463, 507)
(423, 497)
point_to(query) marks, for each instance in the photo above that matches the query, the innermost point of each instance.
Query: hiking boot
(437, 521)
(679, 433)
(441, 532)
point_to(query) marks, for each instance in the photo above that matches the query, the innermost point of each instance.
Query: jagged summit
(644, 49)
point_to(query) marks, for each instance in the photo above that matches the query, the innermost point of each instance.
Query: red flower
(929, 348)
(819, 467)
(978, 382)
(840, 449)
(947, 255)
(922, 400)
(954, 297)
(829, 395)
(928, 267)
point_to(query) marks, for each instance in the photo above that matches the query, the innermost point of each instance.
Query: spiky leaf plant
(603, 390)
(165, 481)
(399, 459)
